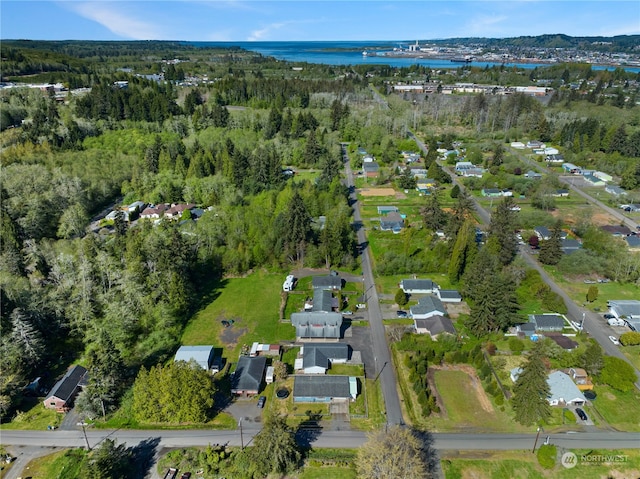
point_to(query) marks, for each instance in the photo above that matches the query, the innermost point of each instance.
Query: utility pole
(84, 433)
(380, 372)
(241, 438)
(536, 441)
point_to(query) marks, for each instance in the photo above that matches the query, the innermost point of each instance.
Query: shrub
(491, 349)
(516, 346)
(631, 338)
(547, 456)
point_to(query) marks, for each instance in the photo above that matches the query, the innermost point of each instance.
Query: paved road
(385, 372)
(337, 439)
(593, 323)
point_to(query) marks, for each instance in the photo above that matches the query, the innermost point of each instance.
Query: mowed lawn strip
(253, 303)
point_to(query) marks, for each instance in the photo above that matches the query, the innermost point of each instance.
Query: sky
(301, 20)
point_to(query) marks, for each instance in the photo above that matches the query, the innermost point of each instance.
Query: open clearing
(378, 192)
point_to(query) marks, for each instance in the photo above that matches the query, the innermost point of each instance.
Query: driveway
(360, 340)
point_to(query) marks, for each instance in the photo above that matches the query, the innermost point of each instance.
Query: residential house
(323, 301)
(571, 168)
(371, 170)
(633, 242)
(331, 281)
(619, 231)
(535, 144)
(595, 181)
(526, 329)
(248, 376)
(434, 326)
(139, 205)
(547, 322)
(543, 233)
(625, 308)
(603, 176)
(318, 357)
(324, 389)
(473, 173)
(563, 391)
(383, 210)
(549, 150)
(61, 396)
(554, 159)
(560, 193)
(419, 172)
(392, 222)
(154, 211)
(317, 325)
(448, 295)
(427, 307)
(581, 379)
(518, 145)
(418, 286)
(570, 246)
(615, 190)
(202, 355)
(177, 210)
(461, 166)
(368, 158)
(491, 192)
(533, 175)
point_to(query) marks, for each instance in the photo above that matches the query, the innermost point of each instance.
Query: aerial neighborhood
(289, 269)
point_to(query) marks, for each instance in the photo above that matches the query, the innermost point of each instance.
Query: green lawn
(346, 370)
(368, 411)
(524, 465)
(34, 417)
(619, 409)
(253, 303)
(59, 465)
(327, 472)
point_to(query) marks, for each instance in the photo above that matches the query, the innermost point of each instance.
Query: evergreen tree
(275, 449)
(464, 251)
(592, 360)
(401, 298)
(107, 461)
(296, 228)
(502, 229)
(432, 213)
(531, 390)
(551, 249)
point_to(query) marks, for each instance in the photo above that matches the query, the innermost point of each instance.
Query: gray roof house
(202, 355)
(318, 357)
(64, 391)
(371, 168)
(627, 308)
(547, 322)
(633, 242)
(317, 325)
(563, 391)
(418, 286)
(324, 388)
(434, 326)
(619, 231)
(392, 222)
(544, 233)
(427, 307)
(448, 295)
(323, 300)
(570, 246)
(248, 376)
(528, 329)
(615, 190)
(329, 281)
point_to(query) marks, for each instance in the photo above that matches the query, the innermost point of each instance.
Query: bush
(516, 346)
(547, 456)
(631, 338)
(554, 302)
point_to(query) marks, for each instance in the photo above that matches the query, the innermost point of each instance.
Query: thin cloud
(264, 33)
(111, 16)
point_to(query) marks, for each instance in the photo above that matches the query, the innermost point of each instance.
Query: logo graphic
(569, 460)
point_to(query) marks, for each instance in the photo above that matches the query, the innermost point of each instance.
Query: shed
(203, 355)
(64, 391)
(448, 295)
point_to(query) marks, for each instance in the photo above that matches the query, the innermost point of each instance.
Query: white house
(418, 286)
(563, 391)
(203, 355)
(427, 307)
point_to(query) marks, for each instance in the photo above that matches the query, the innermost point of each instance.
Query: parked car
(615, 322)
(581, 414)
(225, 323)
(614, 340)
(609, 316)
(261, 401)
(185, 475)
(402, 314)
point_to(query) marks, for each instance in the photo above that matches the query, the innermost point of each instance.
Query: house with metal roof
(324, 389)
(570, 246)
(547, 322)
(563, 391)
(418, 286)
(318, 357)
(427, 307)
(202, 355)
(633, 242)
(625, 308)
(330, 281)
(64, 391)
(317, 325)
(248, 376)
(448, 295)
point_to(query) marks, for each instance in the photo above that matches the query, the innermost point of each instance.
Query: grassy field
(35, 417)
(524, 465)
(368, 407)
(619, 409)
(59, 465)
(253, 303)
